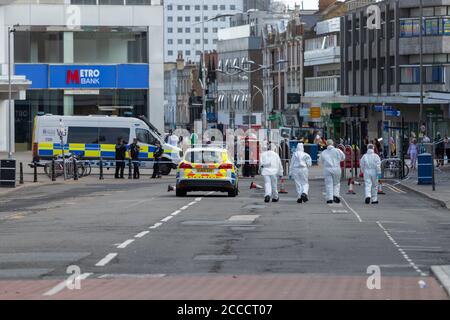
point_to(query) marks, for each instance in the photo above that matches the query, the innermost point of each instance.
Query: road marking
(351, 209)
(192, 203)
(176, 213)
(249, 218)
(62, 285)
(339, 211)
(125, 244)
(106, 260)
(140, 235)
(405, 256)
(166, 218)
(126, 275)
(156, 225)
(198, 199)
(184, 208)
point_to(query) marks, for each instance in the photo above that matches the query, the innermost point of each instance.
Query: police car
(207, 168)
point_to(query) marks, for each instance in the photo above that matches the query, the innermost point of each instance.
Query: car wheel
(165, 168)
(181, 192)
(233, 193)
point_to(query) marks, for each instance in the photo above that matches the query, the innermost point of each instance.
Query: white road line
(140, 235)
(62, 285)
(192, 203)
(351, 209)
(198, 199)
(184, 208)
(166, 218)
(125, 244)
(394, 188)
(402, 252)
(176, 213)
(391, 188)
(156, 225)
(106, 260)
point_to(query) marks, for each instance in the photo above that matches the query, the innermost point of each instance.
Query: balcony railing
(320, 86)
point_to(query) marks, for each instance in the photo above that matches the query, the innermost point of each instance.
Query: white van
(95, 137)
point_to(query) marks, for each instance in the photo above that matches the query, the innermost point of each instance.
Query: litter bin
(425, 168)
(8, 173)
(313, 151)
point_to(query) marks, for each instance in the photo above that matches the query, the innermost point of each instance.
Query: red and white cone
(282, 189)
(351, 185)
(253, 185)
(171, 188)
(380, 187)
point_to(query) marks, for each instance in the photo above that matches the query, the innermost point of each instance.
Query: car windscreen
(204, 156)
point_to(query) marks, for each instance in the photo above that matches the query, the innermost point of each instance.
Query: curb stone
(442, 274)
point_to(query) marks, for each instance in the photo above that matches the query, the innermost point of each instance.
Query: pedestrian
(271, 169)
(371, 167)
(378, 147)
(440, 149)
(393, 147)
(157, 154)
(173, 139)
(364, 146)
(298, 169)
(412, 153)
(121, 150)
(447, 148)
(134, 153)
(285, 154)
(426, 139)
(331, 159)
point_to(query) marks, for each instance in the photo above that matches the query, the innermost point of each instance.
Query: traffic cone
(351, 184)
(282, 189)
(255, 186)
(170, 188)
(380, 187)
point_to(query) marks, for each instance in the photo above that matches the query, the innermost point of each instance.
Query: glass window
(197, 30)
(38, 47)
(170, 53)
(180, 41)
(188, 53)
(205, 41)
(169, 41)
(169, 19)
(144, 136)
(85, 135)
(169, 30)
(169, 7)
(232, 7)
(197, 7)
(215, 30)
(110, 135)
(222, 7)
(205, 7)
(197, 41)
(446, 26)
(206, 30)
(215, 7)
(179, 7)
(180, 19)
(204, 157)
(432, 27)
(197, 19)
(83, 2)
(139, 2)
(188, 41)
(187, 30)
(187, 8)
(113, 2)
(180, 30)
(187, 19)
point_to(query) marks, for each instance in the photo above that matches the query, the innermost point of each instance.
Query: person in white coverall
(271, 169)
(298, 169)
(371, 167)
(331, 159)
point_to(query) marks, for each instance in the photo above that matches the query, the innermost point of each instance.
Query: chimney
(323, 4)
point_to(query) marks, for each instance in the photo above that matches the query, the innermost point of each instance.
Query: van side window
(144, 136)
(86, 135)
(110, 135)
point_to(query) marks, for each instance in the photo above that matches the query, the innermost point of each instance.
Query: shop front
(116, 89)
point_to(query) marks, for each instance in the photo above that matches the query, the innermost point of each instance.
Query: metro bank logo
(83, 77)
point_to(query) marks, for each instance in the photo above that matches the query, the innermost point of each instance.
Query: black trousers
(136, 173)
(156, 172)
(120, 167)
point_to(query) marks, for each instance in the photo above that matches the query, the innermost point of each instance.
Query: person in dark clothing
(157, 154)
(440, 150)
(364, 146)
(121, 150)
(134, 153)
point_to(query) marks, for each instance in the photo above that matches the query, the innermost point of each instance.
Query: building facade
(381, 66)
(87, 57)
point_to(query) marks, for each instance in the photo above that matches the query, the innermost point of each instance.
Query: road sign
(393, 113)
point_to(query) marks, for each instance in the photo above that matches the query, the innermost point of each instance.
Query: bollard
(35, 179)
(101, 169)
(21, 173)
(130, 175)
(53, 170)
(75, 170)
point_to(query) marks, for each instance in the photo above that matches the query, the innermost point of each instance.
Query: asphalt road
(131, 229)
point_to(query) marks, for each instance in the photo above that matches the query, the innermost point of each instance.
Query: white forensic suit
(331, 159)
(298, 168)
(371, 166)
(271, 169)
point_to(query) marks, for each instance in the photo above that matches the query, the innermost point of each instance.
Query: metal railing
(330, 84)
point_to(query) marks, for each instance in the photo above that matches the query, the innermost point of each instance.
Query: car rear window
(205, 156)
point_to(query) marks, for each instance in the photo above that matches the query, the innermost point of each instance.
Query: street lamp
(10, 112)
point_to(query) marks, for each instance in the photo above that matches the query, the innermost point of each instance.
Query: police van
(94, 137)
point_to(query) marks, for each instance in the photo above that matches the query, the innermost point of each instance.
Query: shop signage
(315, 112)
(83, 77)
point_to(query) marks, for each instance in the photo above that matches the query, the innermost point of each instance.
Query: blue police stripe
(107, 154)
(46, 153)
(92, 147)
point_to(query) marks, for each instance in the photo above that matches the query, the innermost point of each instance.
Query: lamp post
(10, 111)
(421, 61)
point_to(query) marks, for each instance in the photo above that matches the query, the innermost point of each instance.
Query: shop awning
(19, 85)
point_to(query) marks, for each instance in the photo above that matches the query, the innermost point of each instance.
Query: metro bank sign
(83, 76)
(65, 76)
